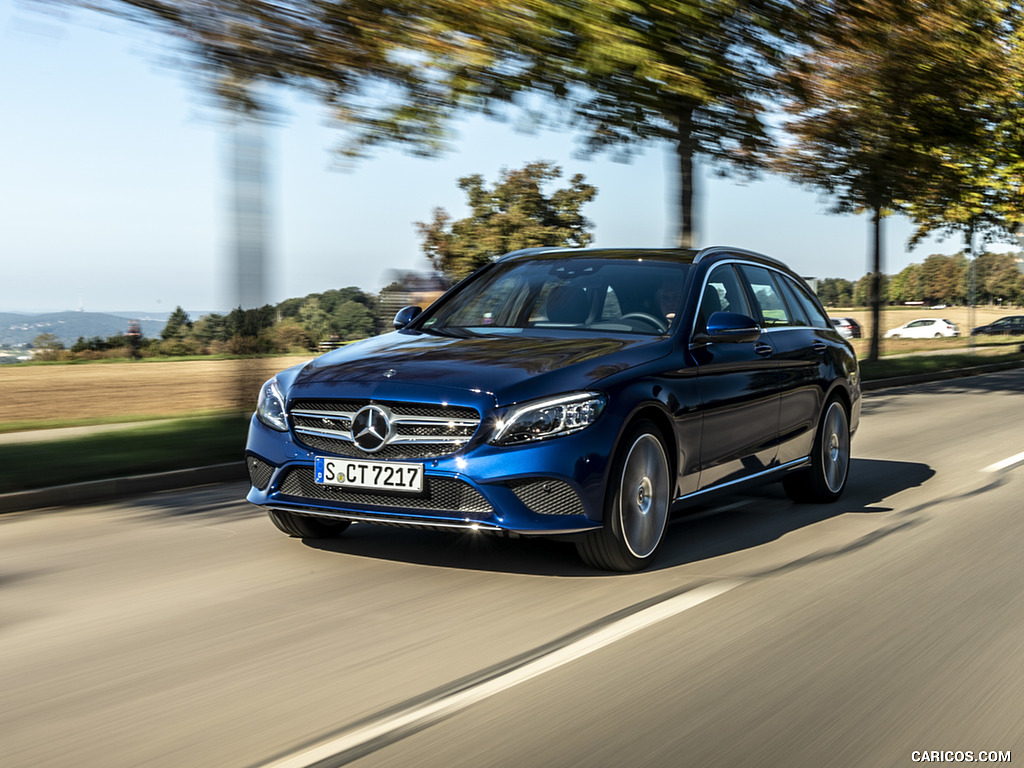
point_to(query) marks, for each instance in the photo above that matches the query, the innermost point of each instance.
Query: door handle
(764, 350)
(819, 346)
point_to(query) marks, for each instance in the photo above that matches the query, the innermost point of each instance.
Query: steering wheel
(659, 325)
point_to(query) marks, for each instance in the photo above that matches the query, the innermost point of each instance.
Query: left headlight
(542, 419)
(270, 408)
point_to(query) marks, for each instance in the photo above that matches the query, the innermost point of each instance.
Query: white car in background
(924, 328)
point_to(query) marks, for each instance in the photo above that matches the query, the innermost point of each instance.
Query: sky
(114, 187)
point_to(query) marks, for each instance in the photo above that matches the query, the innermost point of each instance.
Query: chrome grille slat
(421, 430)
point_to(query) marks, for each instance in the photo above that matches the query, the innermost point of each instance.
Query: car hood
(495, 369)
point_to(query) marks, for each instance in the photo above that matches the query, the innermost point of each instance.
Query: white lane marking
(432, 711)
(1009, 463)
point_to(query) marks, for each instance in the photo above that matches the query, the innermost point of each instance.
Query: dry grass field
(59, 394)
(896, 316)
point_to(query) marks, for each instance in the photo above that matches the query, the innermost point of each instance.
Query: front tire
(637, 507)
(825, 480)
(306, 527)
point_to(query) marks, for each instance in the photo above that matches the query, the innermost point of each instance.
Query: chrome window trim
(741, 261)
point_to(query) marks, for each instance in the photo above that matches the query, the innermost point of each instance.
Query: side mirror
(731, 327)
(406, 315)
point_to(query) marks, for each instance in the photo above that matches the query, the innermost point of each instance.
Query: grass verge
(892, 367)
(159, 447)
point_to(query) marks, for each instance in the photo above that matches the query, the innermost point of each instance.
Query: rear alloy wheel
(825, 480)
(637, 507)
(307, 527)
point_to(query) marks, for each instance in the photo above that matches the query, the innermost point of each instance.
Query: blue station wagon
(584, 394)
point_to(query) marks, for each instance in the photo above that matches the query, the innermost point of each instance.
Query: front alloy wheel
(637, 509)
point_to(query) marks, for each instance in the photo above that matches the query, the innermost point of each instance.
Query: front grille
(421, 430)
(441, 494)
(259, 472)
(547, 497)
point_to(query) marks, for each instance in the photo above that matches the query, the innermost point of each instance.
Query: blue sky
(114, 191)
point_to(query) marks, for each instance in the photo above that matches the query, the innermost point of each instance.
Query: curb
(118, 487)
(924, 378)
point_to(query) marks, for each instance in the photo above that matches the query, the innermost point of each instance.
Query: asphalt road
(181, 629)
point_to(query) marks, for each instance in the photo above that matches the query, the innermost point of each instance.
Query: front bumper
(552, 487)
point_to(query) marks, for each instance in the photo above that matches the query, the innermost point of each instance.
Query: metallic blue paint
(729, 412)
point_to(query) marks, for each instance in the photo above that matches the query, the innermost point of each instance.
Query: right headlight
(270, 407)
(554, 417)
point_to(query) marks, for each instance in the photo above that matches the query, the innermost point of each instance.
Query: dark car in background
(848, 327)
(571, 393)
(1012, 325)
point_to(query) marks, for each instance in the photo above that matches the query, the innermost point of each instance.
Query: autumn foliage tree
(884, 99)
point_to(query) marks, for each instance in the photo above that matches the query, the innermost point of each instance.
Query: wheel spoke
(835, 447)
(643, 496)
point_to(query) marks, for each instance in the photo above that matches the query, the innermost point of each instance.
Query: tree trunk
(876, 279)
(972, 285)
(685, 152)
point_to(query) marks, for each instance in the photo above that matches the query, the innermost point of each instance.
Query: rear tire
(637, 506)
(825, 480)
(307, 527)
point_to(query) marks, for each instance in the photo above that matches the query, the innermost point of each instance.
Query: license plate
(369, 475)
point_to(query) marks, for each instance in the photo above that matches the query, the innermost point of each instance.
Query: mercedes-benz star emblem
(371, 428)
(389, 373)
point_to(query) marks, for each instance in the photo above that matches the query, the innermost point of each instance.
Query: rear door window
(769, 306)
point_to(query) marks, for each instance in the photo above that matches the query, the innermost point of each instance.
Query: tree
(906, 286)
(693, 73)
(872, 98)
(998, 277)
(352, 320)
(868, 287)
(47, 342)
(973, 186)
(178, 325)
(315, 321)
(944, 279)
(835, 292)
(514, 214)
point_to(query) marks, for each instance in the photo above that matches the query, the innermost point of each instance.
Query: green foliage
(835, 292)
(887, 99)
(514, 214)
(862, 290)
(972, 184)
(907, 286)
(998, 279)
(944, 279)
(178, 325)
(47, 342)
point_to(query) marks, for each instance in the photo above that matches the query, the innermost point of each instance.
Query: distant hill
(18, 329)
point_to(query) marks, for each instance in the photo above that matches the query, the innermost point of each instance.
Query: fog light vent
(260, 472)
(547, 497)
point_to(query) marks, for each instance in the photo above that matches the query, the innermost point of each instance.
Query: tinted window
(600, 295)
(796, 309)
(815, 314)
(767, 299)
(723, 292)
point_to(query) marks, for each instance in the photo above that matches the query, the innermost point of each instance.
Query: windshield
(601, 295)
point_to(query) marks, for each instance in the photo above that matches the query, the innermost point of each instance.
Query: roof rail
(716, 249)
(532, 251)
